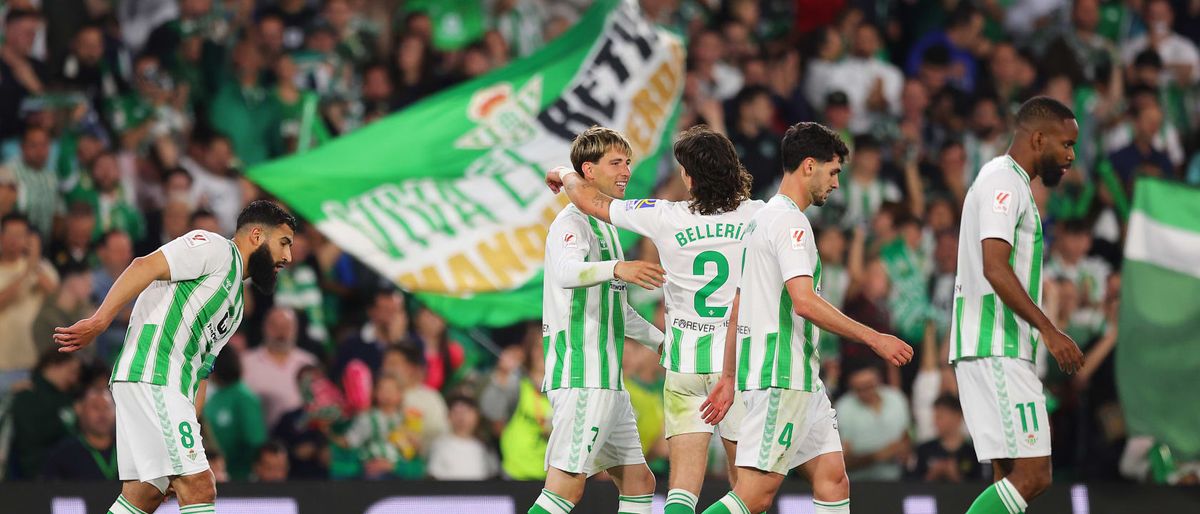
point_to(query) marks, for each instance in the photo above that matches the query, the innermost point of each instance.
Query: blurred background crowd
(126, 123)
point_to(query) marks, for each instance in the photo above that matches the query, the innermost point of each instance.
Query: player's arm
(719, 400)
(567, 251)
(821, 313)
(642, 331)
(586, 197)
(999, 273)
(201, 393)
(139, 275)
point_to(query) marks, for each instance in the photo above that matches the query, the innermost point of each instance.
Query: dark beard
(262, 269)
(1050, 171)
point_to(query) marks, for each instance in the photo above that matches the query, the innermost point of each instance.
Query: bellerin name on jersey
(707, 231)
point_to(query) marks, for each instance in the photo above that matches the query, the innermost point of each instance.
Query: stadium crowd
(125, 124)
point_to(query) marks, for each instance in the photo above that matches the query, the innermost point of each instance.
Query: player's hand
(645, 275)
(891, 349)
(79, 335)
(554, 178)
(719, 401)
(1064, 350)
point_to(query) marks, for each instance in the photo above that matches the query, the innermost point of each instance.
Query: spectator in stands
(387, 437)
(873, 420)
(303, 431)
(26, 74)
(824, 53)
(8, 191)
(296, 15)
(387, 325)
(270, 463)
(115, 252)
(717, 79)
(36, 180)
(1141, 157)
(864, 190)
(837, 115)
(462, 454)
(950, 457)
(107, 196)
(502, 392)
(43, 415)
(1179, 54)
(866, 301)
(152, 110)
(242, 110)
(91, 453)
(526, 427)
(422, 403)
(962, 38)
(987, 137)
(234, 415)
(204, 219)
(86, 70)
(74, 249)
(755, 140)
(210, 162)
(275, 363)
(443, 356)
(72, 302)
(25, 280)
(873, 85)
(299, 287)
(166, 39)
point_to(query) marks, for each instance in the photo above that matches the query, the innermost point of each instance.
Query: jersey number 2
(699, 267)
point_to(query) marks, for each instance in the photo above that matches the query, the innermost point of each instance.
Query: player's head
(711, 170)
(815, 154)
(603, 156)
(1049, 129)
(268, 229)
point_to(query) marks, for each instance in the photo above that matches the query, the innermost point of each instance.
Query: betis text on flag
(1158, 347)
(446, 198)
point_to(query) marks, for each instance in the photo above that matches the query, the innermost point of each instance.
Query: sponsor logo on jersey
(570, 240)
(1001, 201)
(196, 239)
(798, 238)
(640, 204)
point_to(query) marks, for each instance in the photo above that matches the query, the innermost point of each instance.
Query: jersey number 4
(700, 267)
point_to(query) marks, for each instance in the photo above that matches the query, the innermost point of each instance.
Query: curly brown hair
(719, 181)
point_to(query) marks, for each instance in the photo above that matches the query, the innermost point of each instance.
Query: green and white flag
(447, 199)
(1158, 346)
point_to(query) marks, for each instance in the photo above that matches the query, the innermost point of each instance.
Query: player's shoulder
(999, 171)
(203, 239)
(645, 204)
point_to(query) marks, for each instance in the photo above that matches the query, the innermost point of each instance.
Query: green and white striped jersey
(776, 347)
(999, 205)
(585, 310)
(179, 325)
(702, 257)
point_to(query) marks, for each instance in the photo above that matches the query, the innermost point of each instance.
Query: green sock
(198, 508)
(550, 503)
(680, 501)
(728, 504)
(999, 498)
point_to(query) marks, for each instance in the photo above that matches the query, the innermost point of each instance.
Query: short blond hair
(592, 143)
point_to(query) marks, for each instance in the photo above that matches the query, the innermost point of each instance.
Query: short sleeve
(195, 254)
(999, 206)
(641, 216)
(795, 248)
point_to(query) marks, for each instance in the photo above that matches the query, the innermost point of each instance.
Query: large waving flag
(446, 197)
(1158, 346)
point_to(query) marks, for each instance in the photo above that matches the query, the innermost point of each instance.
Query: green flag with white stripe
(1158, 347)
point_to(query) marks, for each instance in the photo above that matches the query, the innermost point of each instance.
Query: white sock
(682, 496)
(198, 508)
(639, 504)
(733, 503)
(838, 507)
(553, 503)
(122, 506)
(1011, 497)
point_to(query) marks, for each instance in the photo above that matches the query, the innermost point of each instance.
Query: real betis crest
(503, 118)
